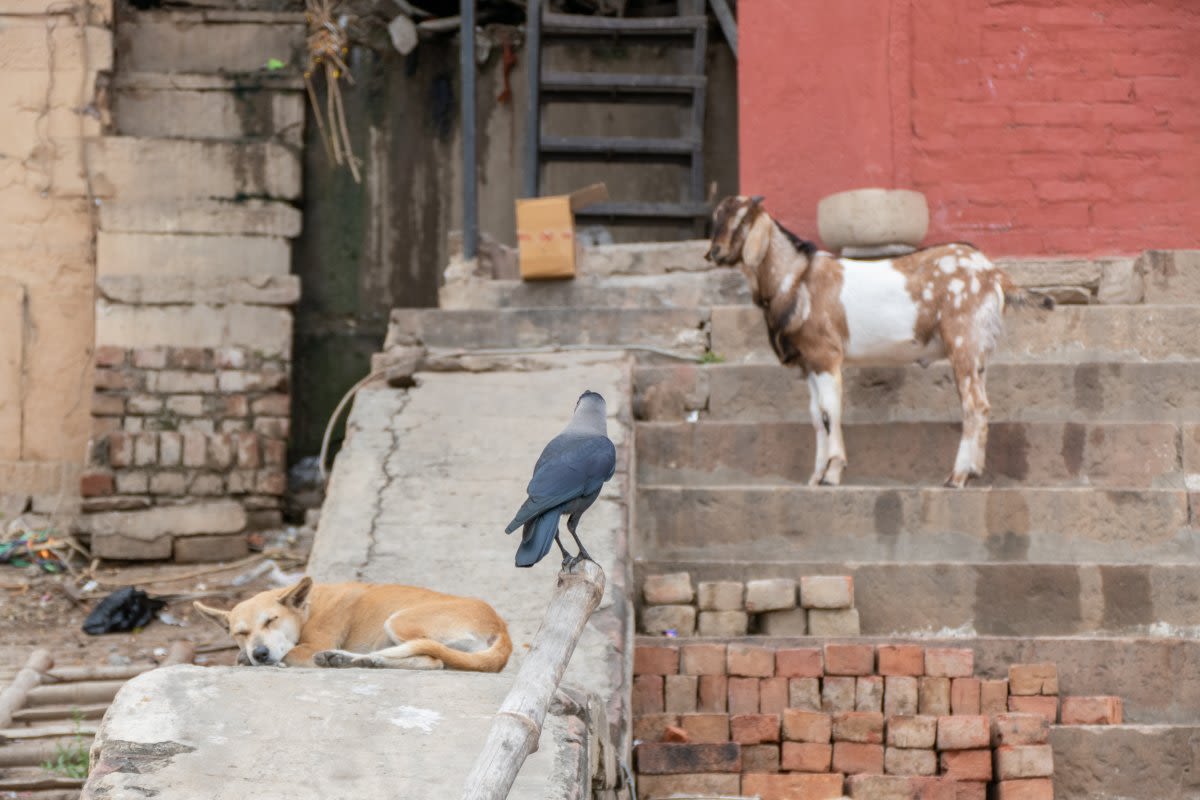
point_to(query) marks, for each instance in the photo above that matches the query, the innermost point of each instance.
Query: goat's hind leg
(972, 448)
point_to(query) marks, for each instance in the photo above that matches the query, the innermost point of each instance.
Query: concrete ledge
(1117, 761)
(230, 733)
(145, 290)
(267, 330)
(231, 217)
(203, 256)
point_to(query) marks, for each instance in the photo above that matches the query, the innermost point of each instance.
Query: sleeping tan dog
(365, 625)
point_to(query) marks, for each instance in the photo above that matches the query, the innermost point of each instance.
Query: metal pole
(533, 119)
(470, 194)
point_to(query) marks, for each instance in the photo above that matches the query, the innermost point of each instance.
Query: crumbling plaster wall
(51, 54)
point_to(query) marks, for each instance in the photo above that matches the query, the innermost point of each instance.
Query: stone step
(1158, 678)
(466, 329)
(1156, 762)
(1111, 391)
(1117, 454)
(238, 113)
(680, 290)
(137, 169)
(861, 523)
(1068, 333)
(987, 599)
(1070, 279)
(210, 41)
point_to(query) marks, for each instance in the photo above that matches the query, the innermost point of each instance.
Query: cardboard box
(546, 232)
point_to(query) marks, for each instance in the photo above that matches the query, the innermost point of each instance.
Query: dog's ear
(754, 249)
(218, 616)
(297, 596)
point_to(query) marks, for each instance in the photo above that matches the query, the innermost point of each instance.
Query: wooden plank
(34, 753)
(727, 22)
(616, 146)
(649, 210)
(580, 25)
(595, 82)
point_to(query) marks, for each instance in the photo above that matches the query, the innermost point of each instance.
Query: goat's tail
(1015, 297)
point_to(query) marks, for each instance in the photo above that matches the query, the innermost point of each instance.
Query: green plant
(70, 760)
(710, 357)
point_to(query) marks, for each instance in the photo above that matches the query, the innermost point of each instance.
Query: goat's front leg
(821, 459)
(826, 387)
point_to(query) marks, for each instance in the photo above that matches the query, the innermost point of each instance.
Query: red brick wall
(1032, 126)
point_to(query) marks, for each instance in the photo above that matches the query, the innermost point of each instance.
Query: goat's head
(741, 235)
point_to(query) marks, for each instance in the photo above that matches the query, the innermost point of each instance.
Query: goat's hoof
(956, 481)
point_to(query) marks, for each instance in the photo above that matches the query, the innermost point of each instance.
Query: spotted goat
(823, 312)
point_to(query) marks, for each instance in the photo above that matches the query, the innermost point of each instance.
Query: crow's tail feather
(537, 537)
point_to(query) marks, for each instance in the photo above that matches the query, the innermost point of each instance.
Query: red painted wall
(1032, 126)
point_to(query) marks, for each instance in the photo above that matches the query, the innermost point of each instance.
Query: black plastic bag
(123, 610)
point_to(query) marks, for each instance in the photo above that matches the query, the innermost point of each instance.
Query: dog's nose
(261, 654)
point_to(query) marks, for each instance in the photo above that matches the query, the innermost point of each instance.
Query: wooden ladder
(550, 86)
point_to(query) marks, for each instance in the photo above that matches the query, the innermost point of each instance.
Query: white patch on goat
(881, 315)
(978, 261)
(987, 325)
(927, 295)
(947, 264)
(958, 340)
(974, 284)
(955, 286)
(785, 285)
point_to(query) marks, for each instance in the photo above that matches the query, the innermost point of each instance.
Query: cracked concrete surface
(226, 733)
(420, 494)
(429, 477)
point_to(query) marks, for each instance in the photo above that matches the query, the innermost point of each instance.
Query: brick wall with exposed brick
(177, 424)
(844, 717)
(1032, 127)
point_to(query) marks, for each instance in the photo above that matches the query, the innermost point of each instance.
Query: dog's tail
(491, 659)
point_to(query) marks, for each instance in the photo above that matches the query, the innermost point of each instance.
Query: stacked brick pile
(820, 605)
(175, 427)
(893, 721)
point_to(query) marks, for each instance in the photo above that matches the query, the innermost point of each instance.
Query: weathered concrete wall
(382, 245)
(193, 330)
(50, 55)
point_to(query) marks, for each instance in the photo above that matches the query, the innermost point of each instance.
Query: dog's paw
(334, 658)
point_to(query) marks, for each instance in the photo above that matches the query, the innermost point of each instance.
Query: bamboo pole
(45, 732)
(39, 784)
(181, 652)
(104, 673)
(31, 754)
(518, 724)
(82, 693)
(46, 713)
(30, 676)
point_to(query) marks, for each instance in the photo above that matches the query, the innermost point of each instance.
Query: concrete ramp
(227, 733)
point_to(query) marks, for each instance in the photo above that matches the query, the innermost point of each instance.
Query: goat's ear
(757, 200)
(754, 249)
(298, 594)
(218, 616)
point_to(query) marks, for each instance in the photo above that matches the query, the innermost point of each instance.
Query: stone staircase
(1078, 547)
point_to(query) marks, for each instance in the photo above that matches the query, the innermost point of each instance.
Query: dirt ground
(42, 610)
